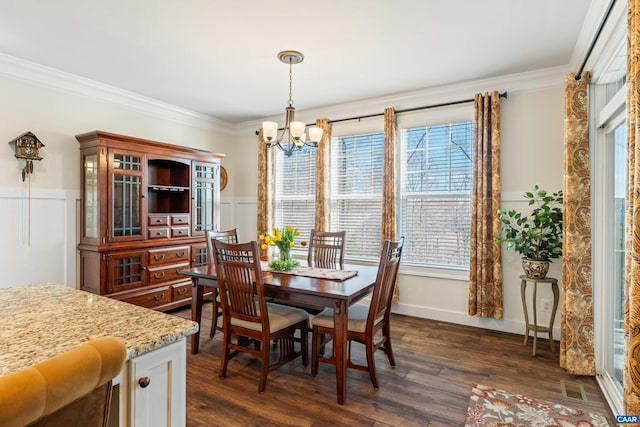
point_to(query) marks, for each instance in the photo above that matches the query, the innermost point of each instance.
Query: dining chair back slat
(228, 236)
(382, 297)
(326, 249)
(238, 293)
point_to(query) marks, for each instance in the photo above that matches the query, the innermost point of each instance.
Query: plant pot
(534, 268)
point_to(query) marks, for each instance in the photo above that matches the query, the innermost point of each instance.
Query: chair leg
(214, 315)
(264, 367)
(387, 345)
(371, 364)
(304, 343)
(315, 338)
(225, 357)
(323, 344)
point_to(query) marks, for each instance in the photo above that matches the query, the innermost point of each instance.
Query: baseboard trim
(502, 325)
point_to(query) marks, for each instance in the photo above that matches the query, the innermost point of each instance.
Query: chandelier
(293, 137)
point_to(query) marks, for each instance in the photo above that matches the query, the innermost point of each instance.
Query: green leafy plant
(537, 236)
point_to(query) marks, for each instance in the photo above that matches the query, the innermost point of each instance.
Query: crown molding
(31, 72)
(512, 83)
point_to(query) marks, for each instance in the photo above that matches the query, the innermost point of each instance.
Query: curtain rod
(578, 75)
(407, 110)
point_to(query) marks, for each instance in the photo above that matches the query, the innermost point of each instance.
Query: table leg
(556, 295)
(197, 295)
(340, 321)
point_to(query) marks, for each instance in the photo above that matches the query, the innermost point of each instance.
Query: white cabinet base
(156, 388)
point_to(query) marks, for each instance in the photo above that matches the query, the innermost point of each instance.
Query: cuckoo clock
(27, 146)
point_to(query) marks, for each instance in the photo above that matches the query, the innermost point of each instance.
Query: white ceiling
(219, 57)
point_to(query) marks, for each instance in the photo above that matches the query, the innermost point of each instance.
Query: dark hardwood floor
(437, 363)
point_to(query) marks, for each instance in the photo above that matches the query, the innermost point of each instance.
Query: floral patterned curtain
(485, 260)
(265, 191)
(323, 166)
(576, 328)
(632, 216)
(389, 183)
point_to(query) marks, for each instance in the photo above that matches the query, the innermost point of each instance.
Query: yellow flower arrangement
(283, 238)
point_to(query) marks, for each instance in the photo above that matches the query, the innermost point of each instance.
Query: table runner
(319, 273)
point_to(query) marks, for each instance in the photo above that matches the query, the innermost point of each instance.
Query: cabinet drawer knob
(158, 275)
(158, 257)
(158, 297)
(182, 291)
(180, 254)
(158, 233)
(144, 382)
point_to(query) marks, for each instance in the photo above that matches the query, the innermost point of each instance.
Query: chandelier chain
(290, 82)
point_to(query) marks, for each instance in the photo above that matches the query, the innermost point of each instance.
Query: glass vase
(285, 253)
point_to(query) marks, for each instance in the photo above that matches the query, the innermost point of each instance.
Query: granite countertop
(42, 320)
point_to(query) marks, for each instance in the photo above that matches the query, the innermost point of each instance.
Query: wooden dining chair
(326, 249)
(368, 325)
(228, 236)
(249, 318)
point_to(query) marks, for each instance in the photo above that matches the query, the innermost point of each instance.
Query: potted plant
(537, 236)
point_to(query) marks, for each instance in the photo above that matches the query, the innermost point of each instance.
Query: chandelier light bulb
(315, 134)
(270, 130)
(297, 129)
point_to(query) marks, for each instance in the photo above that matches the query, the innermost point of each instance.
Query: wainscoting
(38, 236)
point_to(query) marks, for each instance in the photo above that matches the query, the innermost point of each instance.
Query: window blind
(435, 194)
(356, 192)
(294, 192)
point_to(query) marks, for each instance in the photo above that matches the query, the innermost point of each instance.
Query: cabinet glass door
(126, 196)
(91, 205)
(204, 198)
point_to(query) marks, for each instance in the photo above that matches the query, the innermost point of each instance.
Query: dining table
(335, 290)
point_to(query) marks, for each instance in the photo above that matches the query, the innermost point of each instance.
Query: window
(434, 198)
(435, 194)
(294, 191)
(356, 192)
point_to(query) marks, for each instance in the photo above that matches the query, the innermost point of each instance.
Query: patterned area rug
(492, 407)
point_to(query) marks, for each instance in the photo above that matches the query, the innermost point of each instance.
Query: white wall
(56, 113)
(532, 152)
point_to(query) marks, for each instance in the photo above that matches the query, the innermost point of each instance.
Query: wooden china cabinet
(145, 207)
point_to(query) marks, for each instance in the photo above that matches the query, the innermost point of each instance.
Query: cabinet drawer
(180, 291)
(158, 219)
(150, 298)
(172, 255)
(182, 219)
(179, 231)
(158, 232)
(158, 275)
